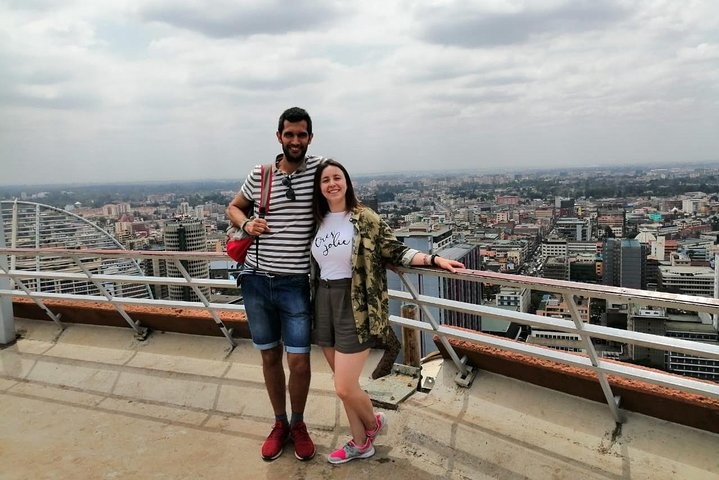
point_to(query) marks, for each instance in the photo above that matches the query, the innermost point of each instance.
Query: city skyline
(173, 91)
(383, 176)
(570, 181)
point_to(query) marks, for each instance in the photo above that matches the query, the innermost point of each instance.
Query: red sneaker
(304, 447)
(273, 446)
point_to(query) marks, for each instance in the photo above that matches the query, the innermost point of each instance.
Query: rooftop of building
(423, 230)
(456, 251)
(93, 402)
(185, 405)
(688, 270)
(695, 327)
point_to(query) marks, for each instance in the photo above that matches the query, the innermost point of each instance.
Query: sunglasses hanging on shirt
(290, 193)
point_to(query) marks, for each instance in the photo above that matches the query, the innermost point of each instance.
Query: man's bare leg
(300, 377)
(274, 374)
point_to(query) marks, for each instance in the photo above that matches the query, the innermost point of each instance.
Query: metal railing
(26, 282)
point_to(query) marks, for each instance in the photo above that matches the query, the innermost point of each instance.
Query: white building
(554, 247)
(688, 280)
(513, 298)
(184, 209)
(187, 236)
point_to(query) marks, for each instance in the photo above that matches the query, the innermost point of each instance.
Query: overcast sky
(188, 89)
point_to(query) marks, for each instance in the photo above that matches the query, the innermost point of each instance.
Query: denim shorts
(278, 310)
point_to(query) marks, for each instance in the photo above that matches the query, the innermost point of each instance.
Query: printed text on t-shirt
(332, 239)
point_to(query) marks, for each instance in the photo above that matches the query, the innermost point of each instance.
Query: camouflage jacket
(373, 247)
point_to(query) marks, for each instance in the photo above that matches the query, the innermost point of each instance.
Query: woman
(352, 248)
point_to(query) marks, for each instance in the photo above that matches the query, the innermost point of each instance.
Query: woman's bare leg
(358, 406)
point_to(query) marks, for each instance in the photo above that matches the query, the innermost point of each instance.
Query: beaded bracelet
(244, 224)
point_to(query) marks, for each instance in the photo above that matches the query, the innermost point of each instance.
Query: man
(275, 280)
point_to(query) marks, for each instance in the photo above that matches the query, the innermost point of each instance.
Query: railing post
(410, 338)
(141, 332)
(715, 316)
(466, 373)
(227, 332)
(7, 316)
(586, 339)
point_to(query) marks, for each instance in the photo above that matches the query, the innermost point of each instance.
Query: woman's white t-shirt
(332, 246)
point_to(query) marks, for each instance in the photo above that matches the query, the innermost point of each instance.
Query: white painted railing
(21, 283)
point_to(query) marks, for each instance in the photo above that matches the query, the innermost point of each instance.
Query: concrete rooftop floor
(91, 402)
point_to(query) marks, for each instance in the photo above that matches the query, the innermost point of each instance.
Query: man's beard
(292, 159)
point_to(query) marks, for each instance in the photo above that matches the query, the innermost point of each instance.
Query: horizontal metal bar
(497, 313)
(626, 295)
(595, 331)
(653, 341)
(623, 336)
(589, 290)
(126, 300)
(577, 360)
(135, 254)
(57, 275)
(497, 342)
(678, 382)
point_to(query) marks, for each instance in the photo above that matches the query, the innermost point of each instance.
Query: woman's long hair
(320, 207)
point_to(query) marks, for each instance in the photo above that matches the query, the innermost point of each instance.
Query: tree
(489, 291)
(597, 307)
(535, 300)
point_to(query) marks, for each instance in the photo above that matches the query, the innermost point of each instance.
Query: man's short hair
(294, 115)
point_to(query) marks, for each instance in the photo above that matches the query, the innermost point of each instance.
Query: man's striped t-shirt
(285, 249)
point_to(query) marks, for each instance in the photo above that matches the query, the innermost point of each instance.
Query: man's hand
(256, 226)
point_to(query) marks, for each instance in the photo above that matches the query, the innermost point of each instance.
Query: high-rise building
(157, 267)
(624, 263)
(187, 236)
(566, 208)
(462, 290)
(438, 239)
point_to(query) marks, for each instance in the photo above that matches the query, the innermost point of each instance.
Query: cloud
(224, 18)
(41, 98)
(154, 89)
(471, 25)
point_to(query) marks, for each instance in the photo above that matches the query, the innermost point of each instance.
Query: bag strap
(264, 206)
(265, 187)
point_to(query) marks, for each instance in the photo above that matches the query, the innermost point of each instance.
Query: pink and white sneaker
(351, 451)
(381, 422)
